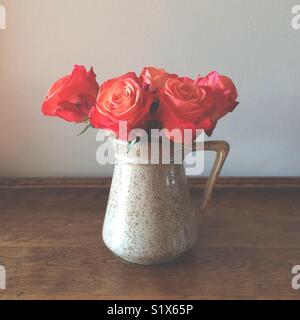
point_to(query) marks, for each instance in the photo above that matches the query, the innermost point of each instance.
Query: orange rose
(121, 99)
(72, 97)
(154, 78)
(184, 105)
(224, 95)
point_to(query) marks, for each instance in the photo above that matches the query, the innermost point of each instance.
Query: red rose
(184, 105)
(121, 99)
(154, 78)
(73, 96)
(224, 95)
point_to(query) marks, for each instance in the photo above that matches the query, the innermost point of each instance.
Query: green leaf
(85, 129)
(154, 107)
(132, 143)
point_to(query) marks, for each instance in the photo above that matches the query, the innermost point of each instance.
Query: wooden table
(50, 244)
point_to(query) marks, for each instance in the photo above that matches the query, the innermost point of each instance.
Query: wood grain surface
(51, 247)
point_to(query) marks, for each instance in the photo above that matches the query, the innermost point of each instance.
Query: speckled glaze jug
(149, 218)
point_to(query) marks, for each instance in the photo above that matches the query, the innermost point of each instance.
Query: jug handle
(222, 149)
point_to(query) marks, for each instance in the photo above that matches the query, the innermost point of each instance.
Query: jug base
(151, 260)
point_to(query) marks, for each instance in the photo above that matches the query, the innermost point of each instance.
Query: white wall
(250, 40)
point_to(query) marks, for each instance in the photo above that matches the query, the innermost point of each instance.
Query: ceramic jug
(149, 217)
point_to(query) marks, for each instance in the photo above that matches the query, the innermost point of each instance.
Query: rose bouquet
(154, 100)
(149, 218)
